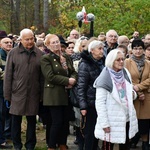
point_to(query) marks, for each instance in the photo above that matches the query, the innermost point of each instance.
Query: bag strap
(105, 147)
(82, 124)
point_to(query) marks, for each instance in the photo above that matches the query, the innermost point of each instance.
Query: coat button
(58, 72)
(56, 65)
(54, 59)
(47, 84)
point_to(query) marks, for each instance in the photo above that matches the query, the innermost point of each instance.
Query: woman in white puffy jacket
(116, 121)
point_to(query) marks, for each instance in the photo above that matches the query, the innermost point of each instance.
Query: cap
(3, 34)
(62, 41)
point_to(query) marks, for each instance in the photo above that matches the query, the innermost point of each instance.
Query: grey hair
(25, 31)
(111, 57)
(94, 44)
(121, 38)
(112, 30)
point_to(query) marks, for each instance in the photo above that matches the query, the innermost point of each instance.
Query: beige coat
(142, 108)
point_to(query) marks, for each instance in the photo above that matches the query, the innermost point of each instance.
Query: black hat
(62, 41)
(3, 34)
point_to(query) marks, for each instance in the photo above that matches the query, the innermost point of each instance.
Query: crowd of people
(110, 74)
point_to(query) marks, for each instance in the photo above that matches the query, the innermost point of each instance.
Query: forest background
(59, 16)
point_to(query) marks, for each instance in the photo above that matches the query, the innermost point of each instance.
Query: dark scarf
(139, 62)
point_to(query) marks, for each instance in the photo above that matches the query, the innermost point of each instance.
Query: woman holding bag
(116, 121)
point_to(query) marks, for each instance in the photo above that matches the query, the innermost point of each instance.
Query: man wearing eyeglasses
(5, 119)
(111, 41)
(74, 34)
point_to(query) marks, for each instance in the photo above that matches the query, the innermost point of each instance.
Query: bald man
(5, 117)
(74, 34)
(22, 87)
(147, 39)
(123, 40)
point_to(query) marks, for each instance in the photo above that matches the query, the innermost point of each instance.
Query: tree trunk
(37, 13)
(15, 19)
(45, 15)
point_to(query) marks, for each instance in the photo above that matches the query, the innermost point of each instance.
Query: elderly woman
(116, 121)
(139, 69)
(59, 76)
(147, 52)
(90, 67)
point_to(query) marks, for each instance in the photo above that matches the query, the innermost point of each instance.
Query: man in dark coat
(23, 86)
(111, 41)
(5, 118)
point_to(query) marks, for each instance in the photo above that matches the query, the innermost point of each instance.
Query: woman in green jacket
(59, 76)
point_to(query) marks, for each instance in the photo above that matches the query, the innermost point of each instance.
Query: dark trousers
(126, 146)
(30, 132)
(58, 131)
(80, 138)
(7, 128)
(2, 120)
(144, 127)
(90, 142)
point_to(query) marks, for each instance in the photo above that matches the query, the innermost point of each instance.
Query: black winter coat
(89, 69)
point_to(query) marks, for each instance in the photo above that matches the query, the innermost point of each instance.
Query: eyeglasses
(120, 59)
(74, 34)
(111, 36)
(83, 38)
(125, 42)
(137, 48)
(8, 42)
(55, 42)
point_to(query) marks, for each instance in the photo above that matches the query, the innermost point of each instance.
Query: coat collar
(134, 67)
(23, 50)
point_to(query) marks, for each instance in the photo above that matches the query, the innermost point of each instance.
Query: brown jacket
(23, 81)
(142, 108)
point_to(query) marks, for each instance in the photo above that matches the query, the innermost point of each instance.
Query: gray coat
(23, 81)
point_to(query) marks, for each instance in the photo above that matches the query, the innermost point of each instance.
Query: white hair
(111, 57)
(110, 31)
(94, 44)
(25, 31)
(77, 44)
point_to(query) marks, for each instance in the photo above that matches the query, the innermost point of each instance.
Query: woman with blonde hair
(59, 76)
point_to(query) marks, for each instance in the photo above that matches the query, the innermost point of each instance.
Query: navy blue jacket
(89, 69)
(3, 56)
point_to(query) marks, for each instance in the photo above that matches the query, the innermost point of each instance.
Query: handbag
(73, 96)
